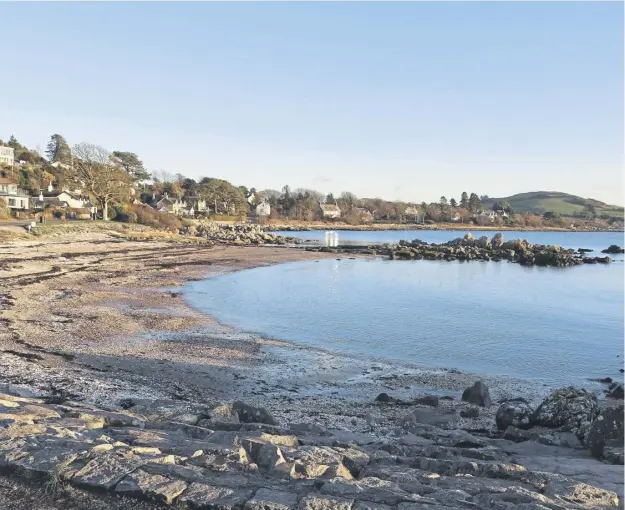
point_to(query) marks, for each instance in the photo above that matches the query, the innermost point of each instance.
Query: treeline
(114, 178)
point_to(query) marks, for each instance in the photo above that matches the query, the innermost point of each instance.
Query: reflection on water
(560, 326)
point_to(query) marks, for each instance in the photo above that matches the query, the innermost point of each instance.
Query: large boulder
(515, 413)
(477, 394)
(497, 241)
(251, 414)
(571, 409)
(606, 430)
(468, 240)
(483, 242)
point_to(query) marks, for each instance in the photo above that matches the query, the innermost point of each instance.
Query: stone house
(331, 211)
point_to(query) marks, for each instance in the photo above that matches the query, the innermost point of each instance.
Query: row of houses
(19, 200)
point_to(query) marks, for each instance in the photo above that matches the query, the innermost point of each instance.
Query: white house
(263, 209)
(330, 210)
(7, 155)
(63, 198)
(14, 197)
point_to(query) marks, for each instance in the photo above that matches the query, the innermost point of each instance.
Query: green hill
(539, 202)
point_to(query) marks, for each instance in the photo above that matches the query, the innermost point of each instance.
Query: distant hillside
(539, 202)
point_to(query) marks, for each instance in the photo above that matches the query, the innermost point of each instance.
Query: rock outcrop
(281, 466)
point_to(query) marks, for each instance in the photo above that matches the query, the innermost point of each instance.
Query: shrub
(112, 213)
(148, 216)
(126, 216)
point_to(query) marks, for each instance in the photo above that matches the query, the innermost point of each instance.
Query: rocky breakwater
(468, 248)
(238, 456)
(240, 234)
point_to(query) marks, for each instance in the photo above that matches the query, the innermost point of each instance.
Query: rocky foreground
(468, 248)
(237, 456)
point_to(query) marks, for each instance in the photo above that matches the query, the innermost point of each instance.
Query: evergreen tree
(464, 200)
(58, 150)
(453, 203)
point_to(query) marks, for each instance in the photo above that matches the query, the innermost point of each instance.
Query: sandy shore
(101, 318)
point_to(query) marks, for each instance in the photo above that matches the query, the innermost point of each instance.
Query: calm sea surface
(558, 326)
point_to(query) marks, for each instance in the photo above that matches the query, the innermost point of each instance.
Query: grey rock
(616, 391)
(517, 414)
(438, 417)
(225, 414)
(271, 499)
(106, 470)
(477, 394)
(156, 487)
(321, 502)
(470, 412)
(606, 429)
(497, 241)
(202, 495)
(251, 414)
(517, 435)
(566, 408)
(427, 400)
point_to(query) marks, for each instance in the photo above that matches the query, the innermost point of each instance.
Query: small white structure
(332, 239)
(263, 209)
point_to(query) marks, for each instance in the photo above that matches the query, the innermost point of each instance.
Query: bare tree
(94, 170)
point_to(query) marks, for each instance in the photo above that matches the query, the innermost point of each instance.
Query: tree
(443, 203)
(453, 203)
(94, 172)
(58, 150)
(226, 198)
(347, 201)
(14, 143)
(132, 165)
(464, 200)
(475, 205)
(330, 198)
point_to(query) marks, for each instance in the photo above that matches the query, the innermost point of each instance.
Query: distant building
(7, 155)
(14, 197)
(263, 209)
(330, 211)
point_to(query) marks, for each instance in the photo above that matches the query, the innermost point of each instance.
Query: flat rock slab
(204, 496)
(28, 412)
(148, 486)
(105, 471)
(269, 499)
(109, 419)
(320, 502)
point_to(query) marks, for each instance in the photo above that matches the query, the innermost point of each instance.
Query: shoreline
(154, 328)
(149, 325)
(95, 319)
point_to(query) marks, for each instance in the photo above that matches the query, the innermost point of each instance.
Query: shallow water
(556, 326)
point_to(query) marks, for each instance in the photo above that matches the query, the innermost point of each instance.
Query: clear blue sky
(400, 100)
